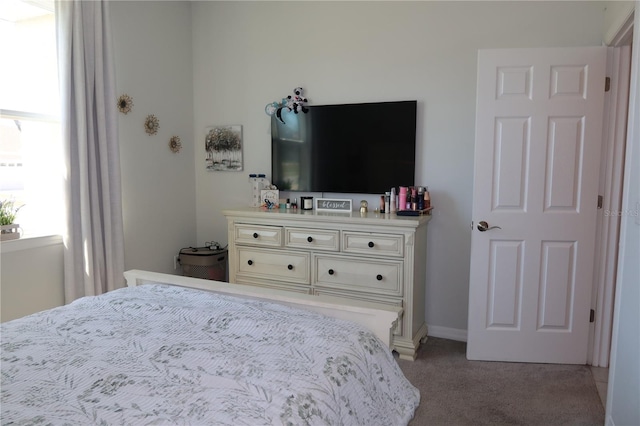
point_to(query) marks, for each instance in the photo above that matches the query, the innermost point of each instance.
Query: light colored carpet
(458, 392)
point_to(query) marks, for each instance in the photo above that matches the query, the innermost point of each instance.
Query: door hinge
(599, 201)
(592, 316)
(607, 84)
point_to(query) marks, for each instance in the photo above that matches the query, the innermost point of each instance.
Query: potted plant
(8, 229)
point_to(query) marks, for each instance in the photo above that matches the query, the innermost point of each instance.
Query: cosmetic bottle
(420, 199)
(392, 205)
(408, 206)
(427, 198)
(402, 198)
(414, 194)
(387, 202)
(382, 204)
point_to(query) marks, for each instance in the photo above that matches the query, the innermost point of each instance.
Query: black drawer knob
(250, 262)
(309, 239)
(255, 235)
(289, 267)
(379, 277)
(370, 244)
(330, 271)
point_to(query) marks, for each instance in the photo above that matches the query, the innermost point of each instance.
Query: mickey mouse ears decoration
(295, 103)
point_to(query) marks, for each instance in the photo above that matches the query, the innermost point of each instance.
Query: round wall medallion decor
(125, 103)
(174, 144)
(151, 124)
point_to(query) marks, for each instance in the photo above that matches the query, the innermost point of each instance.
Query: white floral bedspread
(158, 354)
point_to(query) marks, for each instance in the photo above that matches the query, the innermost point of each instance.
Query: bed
(177, 350)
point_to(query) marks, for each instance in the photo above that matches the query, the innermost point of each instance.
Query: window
(31, 164)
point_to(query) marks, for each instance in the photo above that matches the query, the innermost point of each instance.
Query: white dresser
(369, 257)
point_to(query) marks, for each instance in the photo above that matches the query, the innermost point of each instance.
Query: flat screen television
(364, 148)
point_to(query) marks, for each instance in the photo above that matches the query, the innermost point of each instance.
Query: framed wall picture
(333, 205)
(223, 145)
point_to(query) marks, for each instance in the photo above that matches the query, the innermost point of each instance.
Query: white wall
(623, 394)
(154, 66)
(247, 54)
(31, 276)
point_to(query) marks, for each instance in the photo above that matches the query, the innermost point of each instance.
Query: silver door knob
(484, 226)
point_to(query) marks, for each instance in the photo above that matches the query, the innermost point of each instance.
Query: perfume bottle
(392, 205)
(427, 198)
(402, 198)
(414, 195)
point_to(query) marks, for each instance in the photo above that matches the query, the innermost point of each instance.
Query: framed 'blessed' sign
(333, 205)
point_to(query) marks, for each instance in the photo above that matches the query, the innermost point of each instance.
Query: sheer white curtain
(94, 242)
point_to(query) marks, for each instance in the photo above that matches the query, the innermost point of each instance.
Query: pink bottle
(402, 198)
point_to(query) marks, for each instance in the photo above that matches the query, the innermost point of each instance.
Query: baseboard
(447, 333)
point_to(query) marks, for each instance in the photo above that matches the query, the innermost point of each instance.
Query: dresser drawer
(258, 235)
(267, 264)
(373, 244)
(316, 239)
(358, 274)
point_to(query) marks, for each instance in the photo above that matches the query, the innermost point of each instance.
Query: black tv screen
(365, 148)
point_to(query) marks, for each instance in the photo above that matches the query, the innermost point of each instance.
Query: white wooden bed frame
(380, 319)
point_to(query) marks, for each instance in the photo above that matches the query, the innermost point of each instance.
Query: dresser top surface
(354, 217)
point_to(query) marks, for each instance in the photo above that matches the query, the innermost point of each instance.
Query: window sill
(29, 242)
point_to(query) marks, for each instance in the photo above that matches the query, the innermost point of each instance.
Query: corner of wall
(617, 16)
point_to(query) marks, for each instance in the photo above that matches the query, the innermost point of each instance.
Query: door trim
(608, 221)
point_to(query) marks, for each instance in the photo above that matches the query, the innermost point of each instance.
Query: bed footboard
(379, 318)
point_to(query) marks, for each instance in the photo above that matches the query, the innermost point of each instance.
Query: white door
(537, 155)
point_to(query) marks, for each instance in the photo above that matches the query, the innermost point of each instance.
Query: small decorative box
(270, 197)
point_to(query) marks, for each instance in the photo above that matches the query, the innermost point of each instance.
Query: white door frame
(611, 176)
